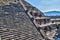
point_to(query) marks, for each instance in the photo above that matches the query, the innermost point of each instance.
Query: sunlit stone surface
(15, 24)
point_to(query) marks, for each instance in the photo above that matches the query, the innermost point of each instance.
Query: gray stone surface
(17, 26)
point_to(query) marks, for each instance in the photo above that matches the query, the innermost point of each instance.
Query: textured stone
(16, 25)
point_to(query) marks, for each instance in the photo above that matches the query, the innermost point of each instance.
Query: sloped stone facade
(16, 25)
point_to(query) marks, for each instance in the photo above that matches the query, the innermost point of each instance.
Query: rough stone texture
(29, 6)
(16, 25)
(19, 28)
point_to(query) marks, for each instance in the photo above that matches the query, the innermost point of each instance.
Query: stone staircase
(42, 32)
(15, 23)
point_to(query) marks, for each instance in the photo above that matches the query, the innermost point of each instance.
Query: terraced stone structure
(15, 24)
